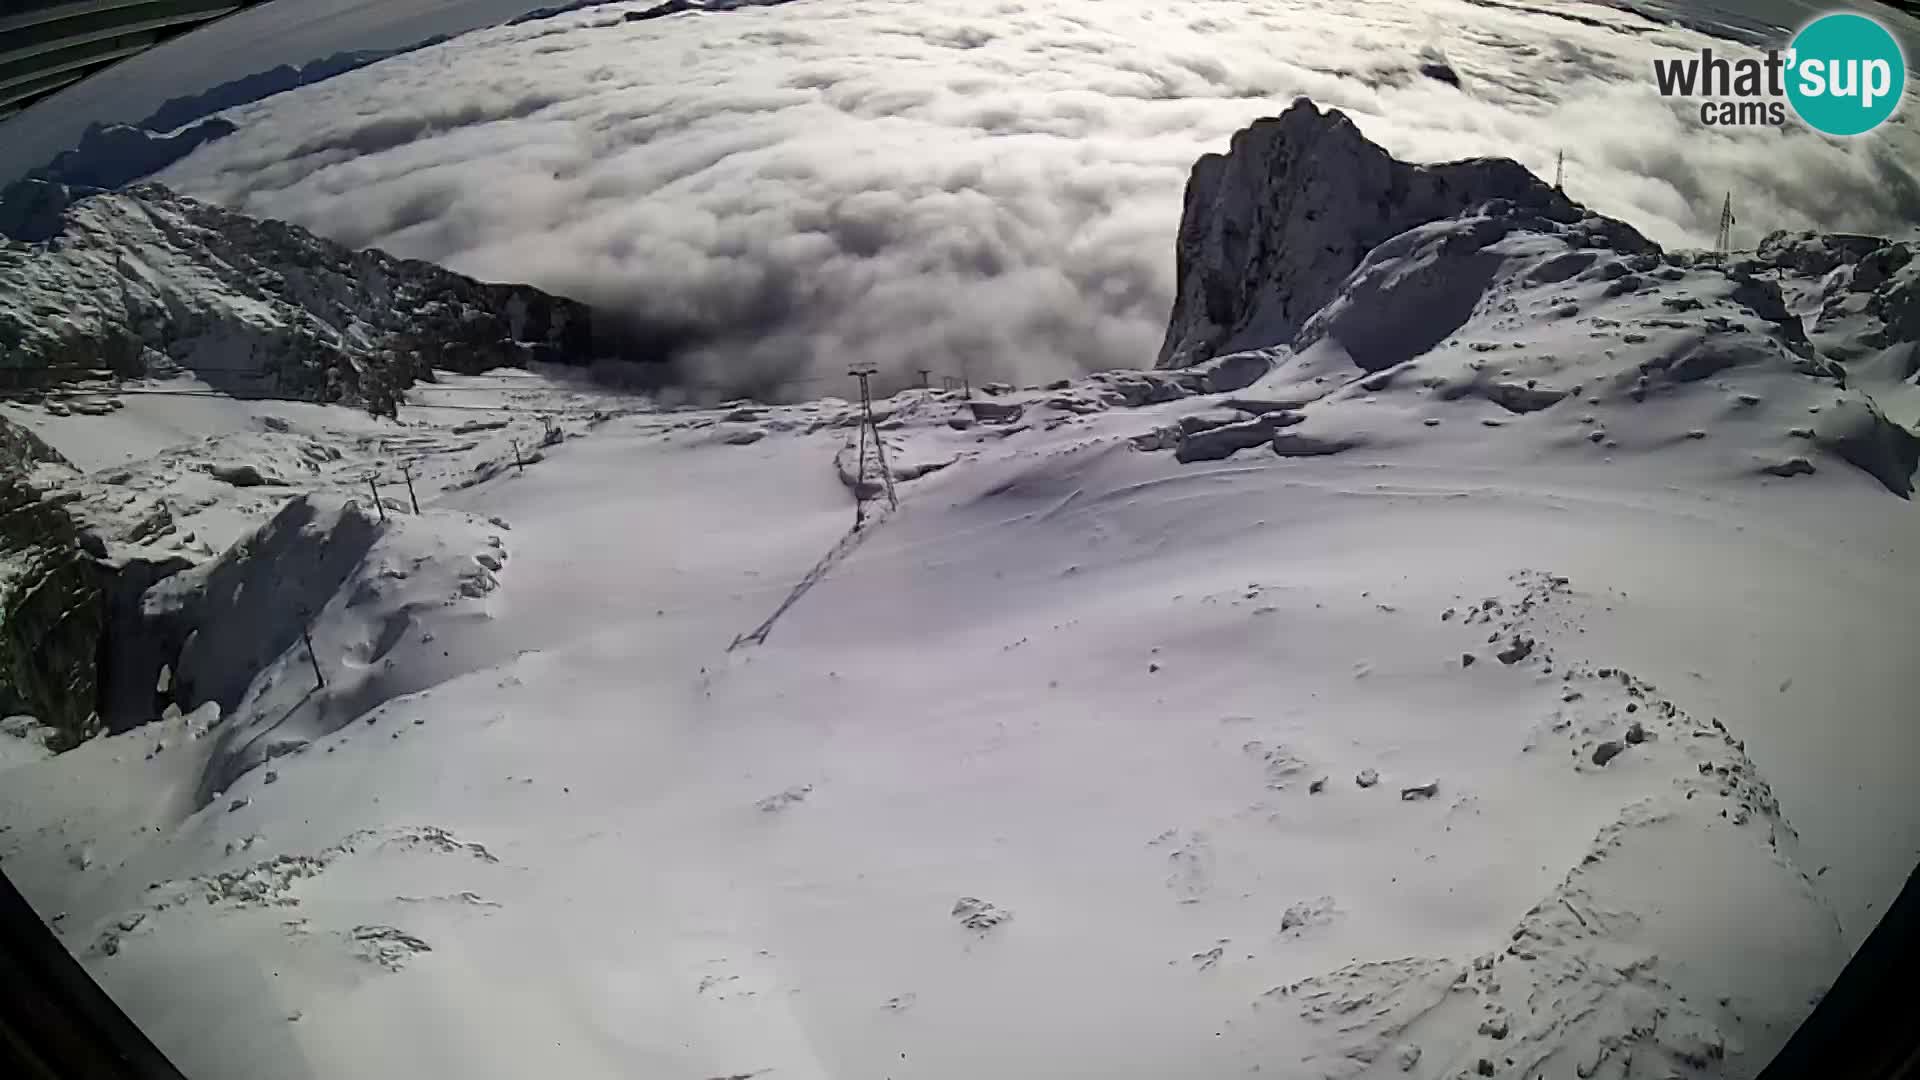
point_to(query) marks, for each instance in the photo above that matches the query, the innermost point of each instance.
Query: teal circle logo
(1845, 74)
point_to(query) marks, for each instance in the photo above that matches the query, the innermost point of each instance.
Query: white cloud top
(772, 193)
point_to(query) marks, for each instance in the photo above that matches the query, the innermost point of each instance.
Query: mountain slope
(145, 280)
(1452, 748)
(1494, 287)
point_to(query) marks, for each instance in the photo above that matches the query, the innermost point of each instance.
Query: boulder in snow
(996, 412)
(1225, 440)
(239, 475)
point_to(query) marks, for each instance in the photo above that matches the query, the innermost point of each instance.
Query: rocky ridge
(1338, 278)
(144, 280)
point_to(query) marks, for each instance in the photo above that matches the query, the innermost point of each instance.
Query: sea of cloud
(988, 187)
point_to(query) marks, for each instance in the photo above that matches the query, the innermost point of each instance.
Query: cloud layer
(988, 186)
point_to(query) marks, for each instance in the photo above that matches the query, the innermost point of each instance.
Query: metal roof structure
(48, 44)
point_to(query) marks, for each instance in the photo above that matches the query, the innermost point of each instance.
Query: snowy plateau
(1480, 646)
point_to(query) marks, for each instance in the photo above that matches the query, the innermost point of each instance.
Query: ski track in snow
(1053, 774)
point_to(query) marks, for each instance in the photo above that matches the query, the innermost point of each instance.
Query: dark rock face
(51, 588)
(1811, 253)
(114, 155)
(110, 155)
(257, 307)
(69, 618)
(1271, 228)
(51, 615)
(130, 655)
(179, 111)
(30, 210)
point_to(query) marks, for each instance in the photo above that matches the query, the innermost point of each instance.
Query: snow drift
(364, 589)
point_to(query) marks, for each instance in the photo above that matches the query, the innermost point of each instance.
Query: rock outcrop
(1868, 329)
(55, 595)
(1337, 278)
(1272, 227)
(144, 279)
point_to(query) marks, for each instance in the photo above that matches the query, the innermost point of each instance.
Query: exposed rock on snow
(24, 740)
(779, 801)
(1307, 913)
(386, 946)
(1219, 440)
(238, 475)
(55, 596)
(1136, 388)
(1235, 371)
(977, 914)
(145, 278)
(1298, 444)
(996, 412)
(1516, 650)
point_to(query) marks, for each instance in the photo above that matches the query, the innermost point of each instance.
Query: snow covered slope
(1139, 741)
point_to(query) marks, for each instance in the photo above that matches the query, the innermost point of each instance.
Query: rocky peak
(1271, 228)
